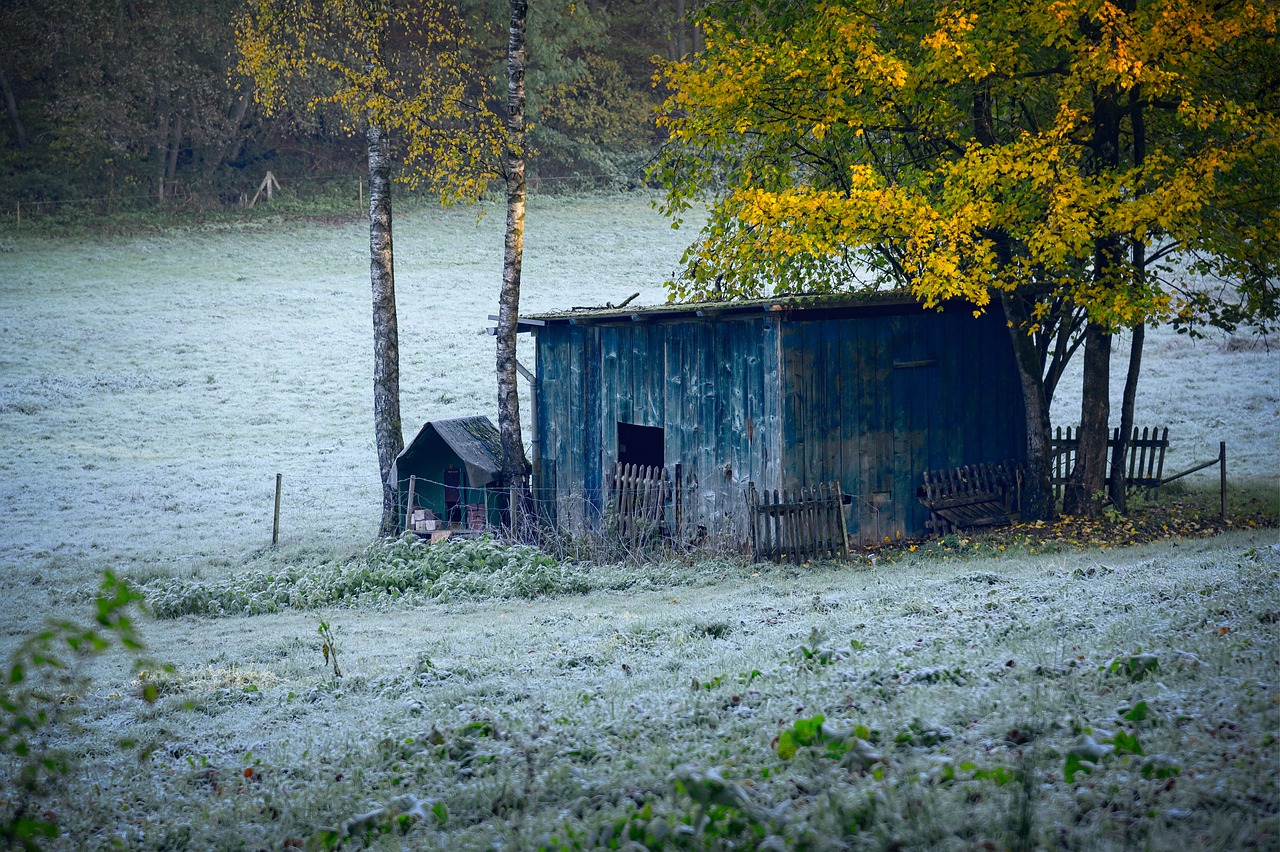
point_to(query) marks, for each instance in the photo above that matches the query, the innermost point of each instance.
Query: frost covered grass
(151, 386)
(1054, 701)
(963, 697)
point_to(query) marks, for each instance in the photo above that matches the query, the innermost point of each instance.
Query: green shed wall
(428, 462)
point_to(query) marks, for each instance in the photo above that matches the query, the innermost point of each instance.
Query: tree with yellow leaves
(1088, 163)
(403, 67)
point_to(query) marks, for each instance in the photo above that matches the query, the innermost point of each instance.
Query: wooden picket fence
(638, 498)
(980, 495)
(806, 523)
(1143, 462)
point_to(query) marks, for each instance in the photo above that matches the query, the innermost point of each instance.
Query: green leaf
(1140, 713)
(30, 828)
(999, 775)
(787, 745)
(1160, 767)
(1127, 743)
(1075, 765)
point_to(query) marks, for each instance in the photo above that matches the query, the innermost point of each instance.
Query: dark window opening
(640, 445)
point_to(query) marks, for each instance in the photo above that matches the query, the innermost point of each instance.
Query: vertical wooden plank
(593, 460)
(1222, 476)
(845, 347)
(801, 520)
(677, 490)
(802, 523)
(844, 539)
(821, 534)
(772, 391)
(771, 527)
(833, 519)
(762, 526)
(776, 528)
(862, 373)
(638, 368)
(673, 391)
(766, 527)
(1164, 445)
(740, 340)
(807, 522)
(573, 467)
(752, 380)
(813, 518)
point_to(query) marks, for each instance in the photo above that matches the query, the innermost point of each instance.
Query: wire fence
(178, 196)
(608, 525)
(196, 196)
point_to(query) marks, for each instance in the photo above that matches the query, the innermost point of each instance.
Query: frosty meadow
(151, 387)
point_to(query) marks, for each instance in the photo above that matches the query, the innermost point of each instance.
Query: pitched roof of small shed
(872, 302)
(474, 439)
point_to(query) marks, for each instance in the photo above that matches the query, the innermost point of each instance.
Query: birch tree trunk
(387, 430)
(514, 465)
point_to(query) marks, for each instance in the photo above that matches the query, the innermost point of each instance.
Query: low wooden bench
(982, 495)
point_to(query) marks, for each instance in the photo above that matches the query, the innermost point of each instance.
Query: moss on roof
(807, 301)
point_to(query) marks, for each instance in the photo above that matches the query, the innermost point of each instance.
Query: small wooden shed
(456, 464)
(868, 391)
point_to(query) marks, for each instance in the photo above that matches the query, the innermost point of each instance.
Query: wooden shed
(456, 466)
(867, 391)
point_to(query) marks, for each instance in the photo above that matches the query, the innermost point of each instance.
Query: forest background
(127, 105)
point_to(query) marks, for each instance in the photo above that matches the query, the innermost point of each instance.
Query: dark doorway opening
(453, 495)
(640, 445)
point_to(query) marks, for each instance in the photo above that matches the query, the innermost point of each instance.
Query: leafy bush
(41, 686)
(388, 571)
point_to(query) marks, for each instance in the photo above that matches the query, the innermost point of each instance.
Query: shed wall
(875, 401)
(871, 401)
(712, 386)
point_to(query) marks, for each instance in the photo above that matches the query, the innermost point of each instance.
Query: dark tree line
(139, 100)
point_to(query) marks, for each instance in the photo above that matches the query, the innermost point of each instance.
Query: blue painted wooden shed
(869, 391)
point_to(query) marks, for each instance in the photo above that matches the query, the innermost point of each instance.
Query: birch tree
(387, 67)
(514, 465)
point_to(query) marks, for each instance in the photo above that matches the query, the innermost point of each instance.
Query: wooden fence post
(408, 506)
(275, 524)
(1222, 476)
(675, 534)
